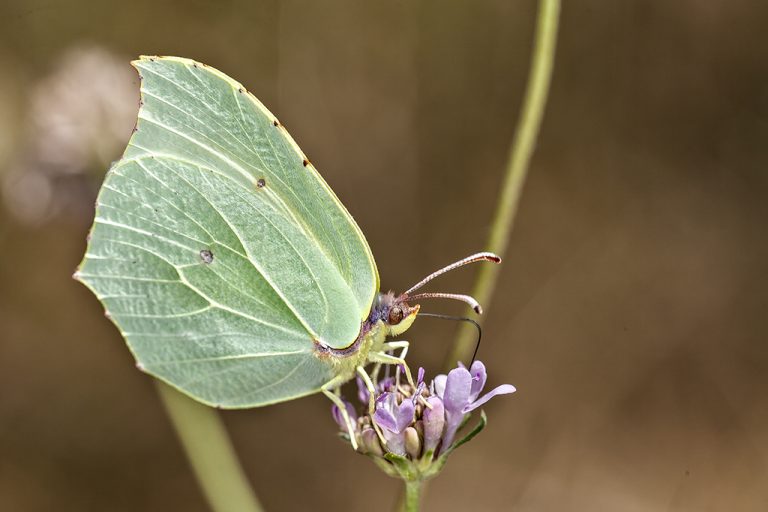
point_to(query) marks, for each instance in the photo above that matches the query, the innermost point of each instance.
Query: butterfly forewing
(218, 251)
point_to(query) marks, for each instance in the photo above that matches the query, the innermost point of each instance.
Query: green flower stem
(210, 453)
(520, 152)
(412, 495)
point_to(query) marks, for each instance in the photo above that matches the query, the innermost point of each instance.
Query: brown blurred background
(632, 310)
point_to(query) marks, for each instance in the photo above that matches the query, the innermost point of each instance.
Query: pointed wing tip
(137, 63)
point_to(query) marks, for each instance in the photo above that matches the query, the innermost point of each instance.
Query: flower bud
(370, 442)
(338, 417)
(412, 443)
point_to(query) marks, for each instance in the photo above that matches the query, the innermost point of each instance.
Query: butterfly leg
(331, 390)
(394, 345)
(371, 401)
(390, 347)
(384, 358)
(375, 372)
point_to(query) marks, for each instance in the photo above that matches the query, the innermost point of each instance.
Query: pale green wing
(218, 251)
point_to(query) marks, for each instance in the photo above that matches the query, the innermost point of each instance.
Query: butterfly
(225, 260)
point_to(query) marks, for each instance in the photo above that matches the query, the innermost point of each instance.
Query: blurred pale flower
(79, 119)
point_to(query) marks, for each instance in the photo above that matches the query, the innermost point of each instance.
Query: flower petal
(457, 388)
(501, 390)
(439, 385)
(479, 376)
(395, 442)
(385, 419)
(404, 415)
(384, 415)
(434, 421)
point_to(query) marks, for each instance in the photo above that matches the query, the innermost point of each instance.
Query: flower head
(412, 429)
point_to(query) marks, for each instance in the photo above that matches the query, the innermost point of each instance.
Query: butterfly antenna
(455, 296)
(460, 319)
(480, 256)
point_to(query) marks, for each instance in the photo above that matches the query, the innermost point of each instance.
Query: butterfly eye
(395, 315)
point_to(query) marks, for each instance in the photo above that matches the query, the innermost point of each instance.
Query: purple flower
(416, 425)
(460, 392)
(394, 418)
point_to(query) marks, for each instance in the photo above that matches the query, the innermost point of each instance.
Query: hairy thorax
(389, 316)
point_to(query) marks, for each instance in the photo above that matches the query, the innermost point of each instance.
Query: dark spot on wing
(305, 162)
(206, 256)
(261, 183)
(241, 90)
(276, 122)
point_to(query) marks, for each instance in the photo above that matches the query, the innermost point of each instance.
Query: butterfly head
(396, 314)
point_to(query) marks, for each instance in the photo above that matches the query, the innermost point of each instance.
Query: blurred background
(632, 308)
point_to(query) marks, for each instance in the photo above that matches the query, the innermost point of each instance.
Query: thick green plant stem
(412, 495)
(519, 157)
(210, 453)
